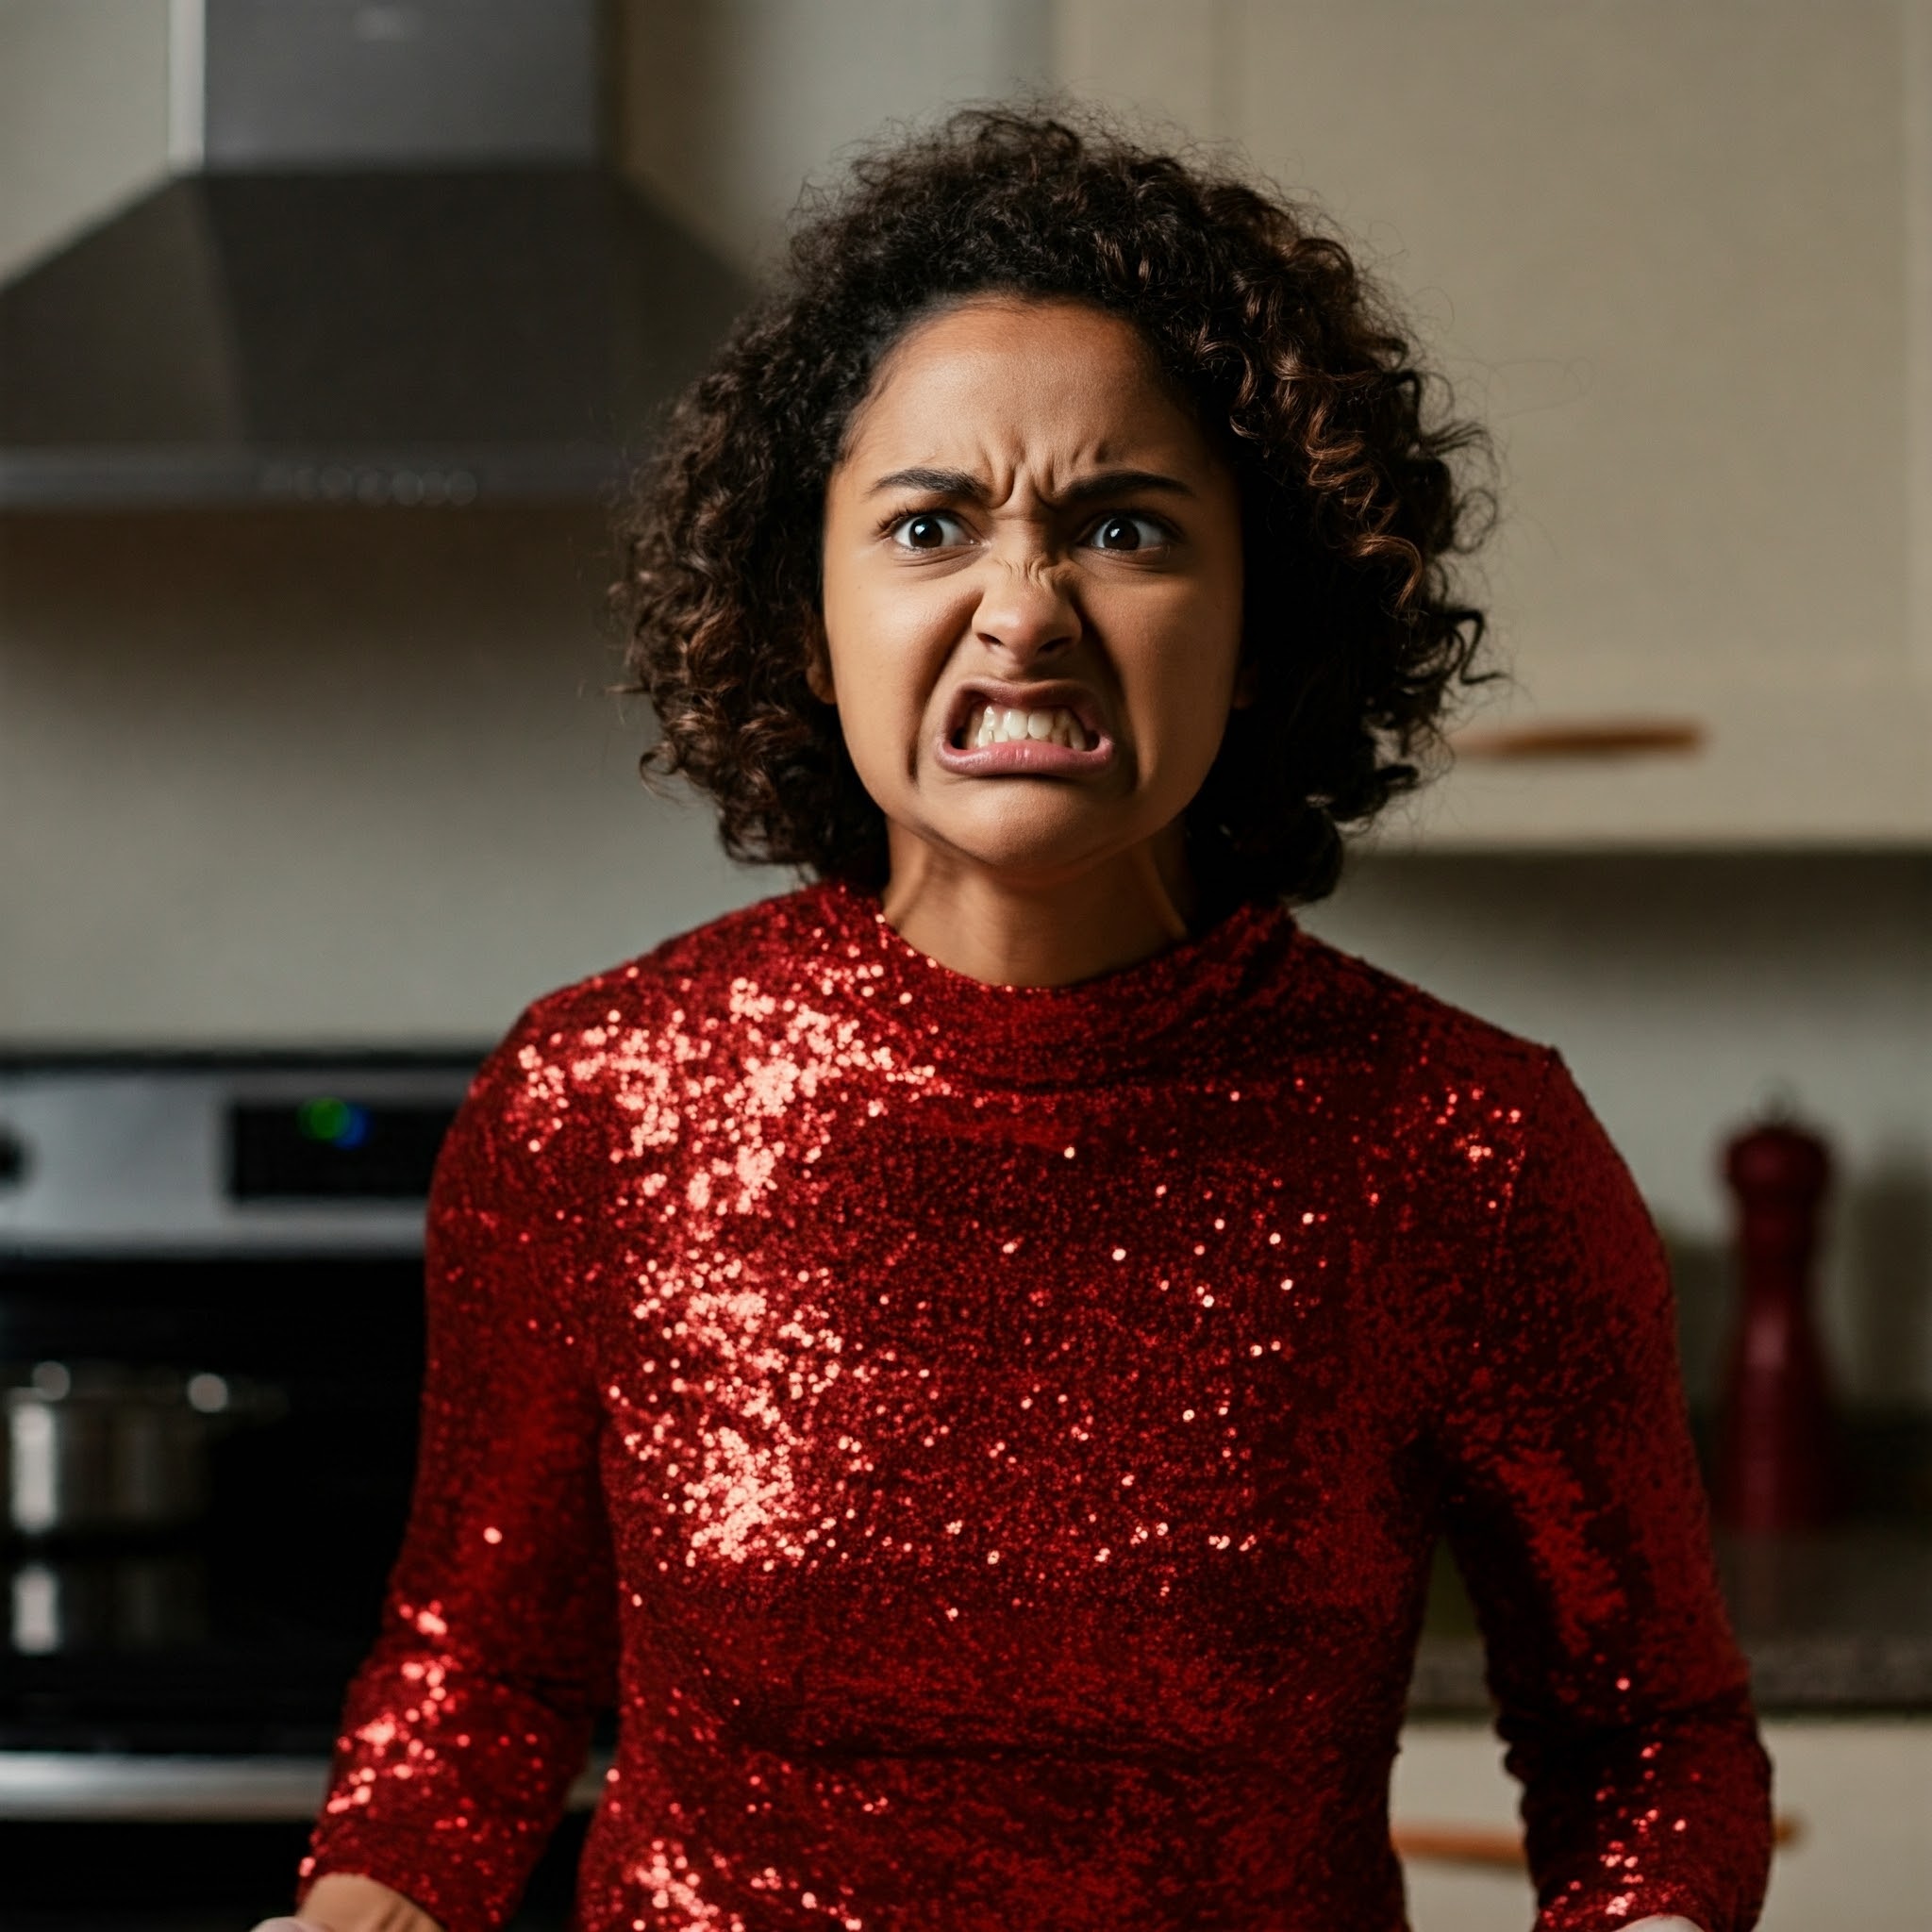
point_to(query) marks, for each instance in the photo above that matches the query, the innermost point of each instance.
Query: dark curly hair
(1353, 635)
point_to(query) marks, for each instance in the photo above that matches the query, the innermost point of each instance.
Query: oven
(211, 1346)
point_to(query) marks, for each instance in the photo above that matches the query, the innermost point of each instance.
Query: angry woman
(972, 1356)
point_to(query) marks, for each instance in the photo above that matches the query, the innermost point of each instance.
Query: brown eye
(1125, 532)
(926, 530)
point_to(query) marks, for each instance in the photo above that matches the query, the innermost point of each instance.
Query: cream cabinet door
(1857, 1790)
(1663, 247)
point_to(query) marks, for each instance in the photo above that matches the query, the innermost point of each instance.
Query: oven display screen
(331, 1147)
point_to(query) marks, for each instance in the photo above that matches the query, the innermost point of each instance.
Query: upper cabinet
(1672, 254)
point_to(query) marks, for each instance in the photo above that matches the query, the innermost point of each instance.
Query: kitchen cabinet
(1675, 256)
(1859, 1791)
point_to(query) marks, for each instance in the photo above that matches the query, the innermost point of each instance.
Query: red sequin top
(989, 1442)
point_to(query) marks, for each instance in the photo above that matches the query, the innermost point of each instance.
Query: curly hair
(1353, 503)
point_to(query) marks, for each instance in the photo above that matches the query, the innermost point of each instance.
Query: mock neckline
(1175, 1005)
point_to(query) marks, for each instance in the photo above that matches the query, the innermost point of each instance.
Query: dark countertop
(1837, 1620)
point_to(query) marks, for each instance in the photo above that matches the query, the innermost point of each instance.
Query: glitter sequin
(989, 1442)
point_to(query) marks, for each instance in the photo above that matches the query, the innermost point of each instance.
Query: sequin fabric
(988, 1441)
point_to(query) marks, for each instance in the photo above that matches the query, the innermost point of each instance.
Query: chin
(1033, 845)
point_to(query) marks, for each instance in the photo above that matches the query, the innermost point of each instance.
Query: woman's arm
(466, 1724)
(1578, 1517)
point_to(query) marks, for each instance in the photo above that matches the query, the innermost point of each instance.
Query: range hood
(393, 272)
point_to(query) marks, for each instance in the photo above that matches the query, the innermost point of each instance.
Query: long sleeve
(466, 1724)
(1576, 1515)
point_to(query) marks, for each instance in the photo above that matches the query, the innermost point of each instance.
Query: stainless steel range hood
(396, 274)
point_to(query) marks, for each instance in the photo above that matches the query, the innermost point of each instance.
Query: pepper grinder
(1778, 1454)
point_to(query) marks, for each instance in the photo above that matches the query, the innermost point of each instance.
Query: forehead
(1005, 379)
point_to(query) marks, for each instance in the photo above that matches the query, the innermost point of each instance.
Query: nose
(1026, 613)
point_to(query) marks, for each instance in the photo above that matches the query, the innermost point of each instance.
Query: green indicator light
(324, 1118)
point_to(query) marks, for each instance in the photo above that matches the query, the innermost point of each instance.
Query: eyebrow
(1103, 483)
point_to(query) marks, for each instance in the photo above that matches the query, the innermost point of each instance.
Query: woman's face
(1032, 590)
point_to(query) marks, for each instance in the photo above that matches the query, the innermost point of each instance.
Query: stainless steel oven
(210, 1342)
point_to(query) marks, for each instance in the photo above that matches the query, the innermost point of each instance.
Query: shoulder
(699, 964)
(622, 1033)
(1431, 1051)
(1502, 1176)
(1454, 1097)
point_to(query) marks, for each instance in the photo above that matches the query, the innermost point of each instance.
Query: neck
(1039, 929)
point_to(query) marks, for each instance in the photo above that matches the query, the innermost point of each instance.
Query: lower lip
(1027, 757)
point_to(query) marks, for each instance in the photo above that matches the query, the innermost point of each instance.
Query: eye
(927, 529)
(1128, 530)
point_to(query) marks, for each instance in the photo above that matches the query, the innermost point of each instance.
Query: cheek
(887, 640)
(878, 716)
(1189, 648)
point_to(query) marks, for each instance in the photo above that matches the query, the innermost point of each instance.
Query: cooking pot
(130, 1598)
(100, 1448)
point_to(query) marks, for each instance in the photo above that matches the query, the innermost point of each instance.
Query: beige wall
(729, 108)
(83, 115)
(1916, 75)
(290, 776)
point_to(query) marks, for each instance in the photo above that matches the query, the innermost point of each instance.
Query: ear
(818, 668)
(1244, 687)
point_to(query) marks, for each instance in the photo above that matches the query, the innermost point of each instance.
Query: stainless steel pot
(98, 1448)
(133, 1599)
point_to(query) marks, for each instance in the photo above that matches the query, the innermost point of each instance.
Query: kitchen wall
(353, 777)
(289, 775)
(725, 108)
(84, 115)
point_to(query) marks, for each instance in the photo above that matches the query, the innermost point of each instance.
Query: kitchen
(343, 777)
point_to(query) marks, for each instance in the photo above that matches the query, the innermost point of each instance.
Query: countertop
(1837, 1620)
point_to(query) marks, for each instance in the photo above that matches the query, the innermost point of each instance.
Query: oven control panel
(262, 1155)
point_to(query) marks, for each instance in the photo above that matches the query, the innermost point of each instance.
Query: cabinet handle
(1584, 738)
(1457, 1844)
(1481, 1844)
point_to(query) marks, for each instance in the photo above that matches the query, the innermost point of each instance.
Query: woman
(973, 1355)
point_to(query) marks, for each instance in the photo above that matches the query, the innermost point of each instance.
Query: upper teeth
(996, 724)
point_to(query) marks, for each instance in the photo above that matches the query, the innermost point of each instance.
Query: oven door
(169, 1692)
(186, 1842)
(210, 1316)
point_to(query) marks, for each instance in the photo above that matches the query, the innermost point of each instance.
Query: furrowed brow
(955, 483)
(1098, 487)
(1109, 483)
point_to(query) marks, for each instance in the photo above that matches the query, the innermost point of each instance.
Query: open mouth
(987, 724)
(991, 710)
(1041, 731)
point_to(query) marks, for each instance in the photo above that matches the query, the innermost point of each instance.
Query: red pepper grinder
(1778, 1453)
